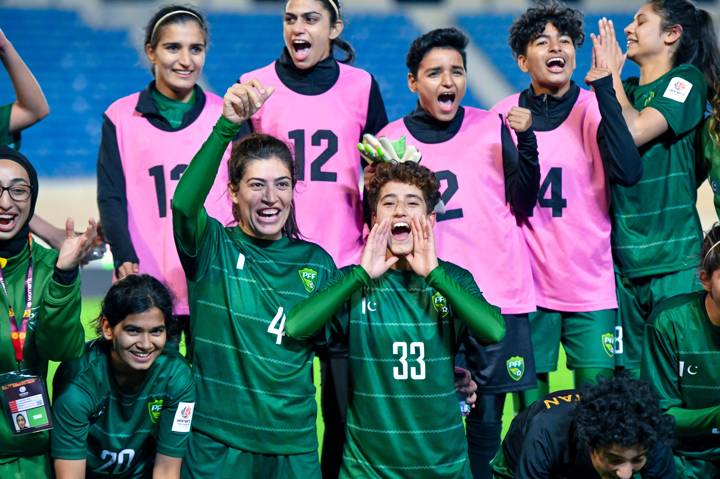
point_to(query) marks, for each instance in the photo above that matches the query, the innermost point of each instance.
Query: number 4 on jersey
(553, 181)
(277, 325)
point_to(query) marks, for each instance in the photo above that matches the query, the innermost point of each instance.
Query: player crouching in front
(614, 429)
(402, 313)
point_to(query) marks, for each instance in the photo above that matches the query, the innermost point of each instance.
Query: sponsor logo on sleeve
(608, 343)
(183, 417)
(516, 367)
(309, 278)
(678, 89)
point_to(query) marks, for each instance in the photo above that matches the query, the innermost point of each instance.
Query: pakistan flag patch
(608, 342)
(154, 408)
(309, 279)
(440, 304)
(516, 367)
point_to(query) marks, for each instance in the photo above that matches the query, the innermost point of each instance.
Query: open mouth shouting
(556, 64)
(7, 222)
(301, 49)
(400, 231)
(446, 100)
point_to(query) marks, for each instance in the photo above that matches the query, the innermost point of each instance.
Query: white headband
(176, 12)
(711, 248)
(337, 12)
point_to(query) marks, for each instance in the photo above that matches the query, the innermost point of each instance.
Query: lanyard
(18, 334)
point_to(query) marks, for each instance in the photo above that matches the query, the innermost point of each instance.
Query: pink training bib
(569, 232)
(153, 161)
(478, 231)
(324, 131)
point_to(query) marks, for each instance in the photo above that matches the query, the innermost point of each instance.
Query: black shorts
(504, 367)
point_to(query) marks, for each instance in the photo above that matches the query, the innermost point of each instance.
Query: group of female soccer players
(563, 203)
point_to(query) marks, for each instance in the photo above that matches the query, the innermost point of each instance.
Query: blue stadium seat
(81, 71)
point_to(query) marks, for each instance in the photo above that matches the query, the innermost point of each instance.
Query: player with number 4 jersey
(402, 314)
(256, 409)
(583, 144)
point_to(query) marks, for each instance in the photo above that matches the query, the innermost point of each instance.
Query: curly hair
(408, 173)
(531, 24)
(438, 38)
(621, 411)
(136, 294)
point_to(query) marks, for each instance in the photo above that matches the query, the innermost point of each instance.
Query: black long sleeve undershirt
(111, 198)
(621, 157)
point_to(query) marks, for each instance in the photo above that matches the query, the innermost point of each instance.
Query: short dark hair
(531, 24)
(408, 173)
(136, 294)
(258, 147)
(438, 38)
(621, 411)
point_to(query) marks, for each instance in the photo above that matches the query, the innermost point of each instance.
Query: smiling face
(263, 198)
(646, 38)
(137, 340)
(13, 212)
(550, 61)
(400, 203)
(178, 59)
(308, 32)
(440, 83)
(618, 462)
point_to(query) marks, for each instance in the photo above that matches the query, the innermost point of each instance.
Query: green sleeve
(695, 422)
(308, 316)
(189, 216)
(681, 114)
(484, 320)
(710, 158)
(659, 364)
(60, 318)
(171, 442)
(5, 137)
(71, 424)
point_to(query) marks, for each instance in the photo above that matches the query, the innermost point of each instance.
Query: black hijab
(11, 247)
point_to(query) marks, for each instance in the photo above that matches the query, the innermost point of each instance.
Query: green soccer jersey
(403, 418)
(240, 291)
(655, 226)
(119, 433)
(710, 154)
(54, 332)
(6, 138)
(681, 354)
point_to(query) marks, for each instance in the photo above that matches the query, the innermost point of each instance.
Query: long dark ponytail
(333, 8)
(697, 46)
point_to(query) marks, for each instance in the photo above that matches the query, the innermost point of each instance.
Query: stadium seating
(83, 69)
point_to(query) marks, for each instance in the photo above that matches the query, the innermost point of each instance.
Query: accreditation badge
(25, 402)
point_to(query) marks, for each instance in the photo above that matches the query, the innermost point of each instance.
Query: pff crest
(154, 408)
(309, 278)
(608, 343)
(515, 367)
(440, 304)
